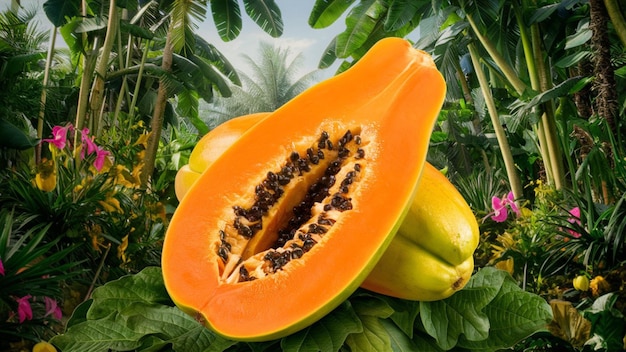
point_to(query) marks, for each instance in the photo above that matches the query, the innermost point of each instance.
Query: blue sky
(297, 36)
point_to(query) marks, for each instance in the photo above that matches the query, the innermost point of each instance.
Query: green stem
(506, 69)
(505, 149)
(44, 93)
(548, 116)
(97, 90)
(612, 7)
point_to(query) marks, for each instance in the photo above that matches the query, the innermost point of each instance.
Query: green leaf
(98, 335)
(227, 18)
(13, 137)
(373, 338)
(147, 286)
(360, 23)
(513, 316)
(608, 324)
(135, 30)
(135, 313)
(369, 305)
(328, 334)
(400, 13)
(266, 14)
(404, 315)
(573, 59)
(462, 313)
(400, 342)
(58, 11)
(329, 56)
(326, 12)
(580, 37)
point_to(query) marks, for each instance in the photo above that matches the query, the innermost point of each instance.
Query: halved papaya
(291, 219)
(431, 256)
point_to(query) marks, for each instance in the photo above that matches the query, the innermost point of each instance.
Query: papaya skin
(431, 256)
(390, 99)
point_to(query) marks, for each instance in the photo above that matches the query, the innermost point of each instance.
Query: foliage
(31, 274)
(271, 83)
(492, 312)
(95, 209)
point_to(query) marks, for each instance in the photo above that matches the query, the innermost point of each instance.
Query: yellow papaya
(431, 256)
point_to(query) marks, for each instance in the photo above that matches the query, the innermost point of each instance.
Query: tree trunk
(604, 83)
(156, 125)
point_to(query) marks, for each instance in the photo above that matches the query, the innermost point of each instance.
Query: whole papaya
(431, 256)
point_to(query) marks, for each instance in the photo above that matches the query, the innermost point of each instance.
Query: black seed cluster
(244, 275)
(224, 248)
(272, 188)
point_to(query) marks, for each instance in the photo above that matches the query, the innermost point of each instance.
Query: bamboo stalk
(617, 18)
(505, 149)
(44, 93)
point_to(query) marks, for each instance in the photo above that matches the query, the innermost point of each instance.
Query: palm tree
(21, 49)
(272, 82)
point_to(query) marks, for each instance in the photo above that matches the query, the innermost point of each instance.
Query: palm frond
(266, 14)
(227, 18)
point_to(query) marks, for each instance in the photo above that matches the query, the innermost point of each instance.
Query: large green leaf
(129, 313)
(266, 14)
(490, 313)
(360, 23)
(58, 11)
(326, 12)
(13, 137)
(227, 18)
(400, 13)
(182, 25)
(328, 334)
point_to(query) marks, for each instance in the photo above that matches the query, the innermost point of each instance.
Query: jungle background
(92, 135)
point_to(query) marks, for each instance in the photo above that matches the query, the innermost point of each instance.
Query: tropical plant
(32, 271)
(271, 83)
(135, 312)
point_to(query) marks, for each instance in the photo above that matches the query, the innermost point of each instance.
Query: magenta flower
(52, 308)
(499, 205)
(1, 268)
(101, 154)
(59, 136)
(575, 212)
(91, 145)
(24, 311)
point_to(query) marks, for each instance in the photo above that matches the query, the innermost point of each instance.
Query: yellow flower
(121, 250)
(44, 346)
(46, 177)
(506, 265)
(142, 140)
(95, 232)
(111, 204)
(599, 286)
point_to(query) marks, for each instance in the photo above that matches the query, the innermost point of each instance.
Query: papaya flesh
(292, 217)
(431, 256)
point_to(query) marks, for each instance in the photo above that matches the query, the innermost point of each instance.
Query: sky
(298, 37)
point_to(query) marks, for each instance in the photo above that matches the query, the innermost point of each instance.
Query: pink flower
(499, 205)
(59, 136)
(1, 268)
(575, 212)
(101, 154)
(24, 311)
(91, 146)
(52, 308)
